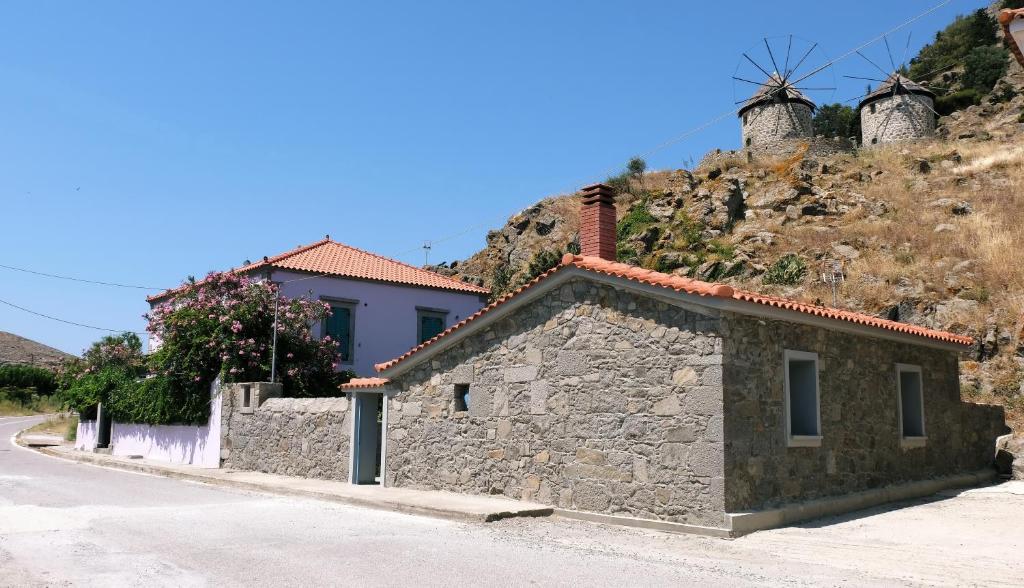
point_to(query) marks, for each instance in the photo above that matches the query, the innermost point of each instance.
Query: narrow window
(874, 140)
(803, 406)
(461, 397)
(748, 141)
(429, 323)
(745, 119)
(910, 401)
(872, 108)
(341, 328)
(246, 396)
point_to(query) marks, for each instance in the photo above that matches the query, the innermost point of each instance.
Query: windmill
(780, 107)
(899, 108)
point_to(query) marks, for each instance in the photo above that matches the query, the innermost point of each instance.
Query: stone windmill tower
(898, 110)
(776, 112)
(779, 111)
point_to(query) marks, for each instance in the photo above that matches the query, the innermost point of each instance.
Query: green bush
(958, 100)
(836, 120)
(984, 66)
(954, 43)
(635, 222)
(1012, 4)
(109, 369)
(787, 271)
(26, 376)
(542, 261)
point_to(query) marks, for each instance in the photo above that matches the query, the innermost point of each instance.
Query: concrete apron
(487, 509)
(744, 523)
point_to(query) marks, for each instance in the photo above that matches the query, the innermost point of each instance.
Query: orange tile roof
(364, 383)
(695, 287)
(337, 259)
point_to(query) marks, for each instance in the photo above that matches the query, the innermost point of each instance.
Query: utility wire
(28, 271)
(735, 111)
(67, 322)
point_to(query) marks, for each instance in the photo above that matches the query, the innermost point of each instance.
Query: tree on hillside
(984, 66)
(836, 120)
(954, 43)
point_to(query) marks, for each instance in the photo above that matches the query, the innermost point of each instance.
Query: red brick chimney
(597, 222)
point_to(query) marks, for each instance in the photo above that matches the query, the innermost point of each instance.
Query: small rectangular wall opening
(803, 406)
(461, 397)
(911, 402)
(246, 396)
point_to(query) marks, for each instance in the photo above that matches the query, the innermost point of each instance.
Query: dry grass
(903, 257)
(61, 425)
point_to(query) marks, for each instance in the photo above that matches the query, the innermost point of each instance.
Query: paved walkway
(424, 502)
(69, 523)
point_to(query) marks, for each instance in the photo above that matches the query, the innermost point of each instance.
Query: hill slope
(928, 233)
(19, 350)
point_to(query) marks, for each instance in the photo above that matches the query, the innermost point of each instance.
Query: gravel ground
(64, 523)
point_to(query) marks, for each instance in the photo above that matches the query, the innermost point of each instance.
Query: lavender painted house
(380, 307)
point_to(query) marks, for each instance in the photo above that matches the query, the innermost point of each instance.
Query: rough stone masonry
(306, 437)
(602, 399)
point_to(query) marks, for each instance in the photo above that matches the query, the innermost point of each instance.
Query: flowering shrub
(221, 326)
(224, 325)
(108, 369)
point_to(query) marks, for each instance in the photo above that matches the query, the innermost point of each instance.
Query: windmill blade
(757, 66)
(772, 57)
(799, 63)
(884, 73)
(785, 68)
(903, 60)
(888, 51)
(863, 78)
(810, 89)
(748, 81)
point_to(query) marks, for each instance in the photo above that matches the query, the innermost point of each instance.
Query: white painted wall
(179, 444)
(86, 435)
(385, 317)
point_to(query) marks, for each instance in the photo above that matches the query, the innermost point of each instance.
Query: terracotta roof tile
(337, 259)
(365, 383)
(695, 287)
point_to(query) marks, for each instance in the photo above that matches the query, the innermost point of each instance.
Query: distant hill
(15, 349)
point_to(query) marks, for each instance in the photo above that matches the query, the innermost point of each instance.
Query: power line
(729, 113)
(73, 279)
(60, 320)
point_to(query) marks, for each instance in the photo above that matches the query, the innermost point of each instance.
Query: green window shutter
(339, 328)
(430, 327)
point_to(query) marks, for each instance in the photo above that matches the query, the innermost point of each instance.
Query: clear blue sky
(143, 142)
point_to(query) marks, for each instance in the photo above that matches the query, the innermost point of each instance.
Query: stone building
(776, 113)
(898, 110)
(616, 393)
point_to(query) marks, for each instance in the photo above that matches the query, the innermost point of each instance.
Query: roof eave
(715, 304)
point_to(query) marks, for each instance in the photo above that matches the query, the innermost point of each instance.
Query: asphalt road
(65, 523)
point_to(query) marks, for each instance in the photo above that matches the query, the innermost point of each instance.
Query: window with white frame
(803, 399)
(910, 400)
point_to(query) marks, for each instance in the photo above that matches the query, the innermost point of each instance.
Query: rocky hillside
(928, 232)
(19, 350)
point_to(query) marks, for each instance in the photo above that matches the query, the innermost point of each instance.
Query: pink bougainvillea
(223, 325)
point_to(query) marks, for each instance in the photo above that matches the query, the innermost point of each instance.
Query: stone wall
(306, 437)
(901, 118)
(861, 446)
(813, 147)
(765, 125)
(589, 398)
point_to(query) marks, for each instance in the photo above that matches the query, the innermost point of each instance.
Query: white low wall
(180, 444)
(85, 436)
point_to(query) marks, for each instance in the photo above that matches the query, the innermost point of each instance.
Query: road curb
(376, 504)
